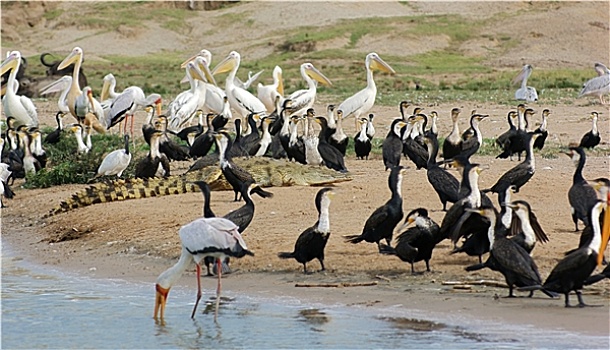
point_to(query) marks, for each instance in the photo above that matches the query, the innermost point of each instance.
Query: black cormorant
(168, 146)
(503, 141)
(507, 257)
(591, 138)
(572, 271)
(522, 172)
(155, 161)
(53, 136)
(525, 231)
(472, 144)
(446, 185)
(391, 148)
(581, 195)
(544, 133)
(380, 225)
(311, 242)
(331, 156)
(415, 151)
(452, 146)
(338, 139)
(362, 142)
(416, 243)
(203, 143)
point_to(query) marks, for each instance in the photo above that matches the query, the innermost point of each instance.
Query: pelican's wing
(248, 101)
(251, 79)
(30, 109)
(301, 99)
(595, 85)
(355, 102)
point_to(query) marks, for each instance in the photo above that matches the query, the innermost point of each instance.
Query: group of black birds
(471, 222)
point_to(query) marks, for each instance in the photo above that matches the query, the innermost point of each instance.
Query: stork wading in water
(360, 103)
(525, 93)
(19, 107)
(201, 238)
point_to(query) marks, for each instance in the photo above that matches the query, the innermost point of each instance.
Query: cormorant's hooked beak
(406, 224)
(160, 301)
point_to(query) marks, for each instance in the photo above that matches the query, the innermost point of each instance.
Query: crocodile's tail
(119, 190)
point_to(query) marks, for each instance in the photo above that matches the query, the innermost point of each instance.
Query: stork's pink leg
(219, 270)
(198, 290)
(132, 118)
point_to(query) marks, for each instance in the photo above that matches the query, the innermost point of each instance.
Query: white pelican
(16, 106)
(60, 85)
(182, 109)
(241, 100)
(302, 100)
(525, 93)
(363, 100)
(214, 96)
(108, 88)
(598, 86)
(76, 57)
(125, 105)
(268, 93)
(204, 237)
(116, 161)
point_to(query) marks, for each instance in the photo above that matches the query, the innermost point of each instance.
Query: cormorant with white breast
(311, 242)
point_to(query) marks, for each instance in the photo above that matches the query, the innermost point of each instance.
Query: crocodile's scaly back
(266, 172)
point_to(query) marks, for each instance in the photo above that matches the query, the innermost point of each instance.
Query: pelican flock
(272, 121)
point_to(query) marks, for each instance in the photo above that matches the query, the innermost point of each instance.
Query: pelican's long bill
(73, 57)
(379, 64)
(225, 65)
(314, 73)
(9, 63)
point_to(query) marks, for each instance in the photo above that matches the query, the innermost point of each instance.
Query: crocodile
(266, 172)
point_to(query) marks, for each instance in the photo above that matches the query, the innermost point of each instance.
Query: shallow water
(44, 308)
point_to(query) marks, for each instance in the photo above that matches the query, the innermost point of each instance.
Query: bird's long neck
(432, 151)
(543, 124)
(60, 124)
(370, 82)
(521, 121)
(79, 140)
(455, 131)
(324, 217)
(526, 227)
(362, 134)
(594, 130)
(75, 90)
(433, 127)
(474, 123)
(529, 154)
(126, 145)
(594, 222)
(170, 276)
(578, 172)
(524, 81)
(293, 133)
(396, 188)
(154, 147)
(472, 183)
(506, 214)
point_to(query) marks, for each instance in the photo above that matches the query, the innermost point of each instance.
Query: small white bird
(598, 86)
(525, 93)
(204, 237)
(116, 161)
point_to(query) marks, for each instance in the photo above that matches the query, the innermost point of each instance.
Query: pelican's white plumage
(241, 100)
(361, 102)
(268, 93)
(525, 93)
(182, 109)
(213, 237)
(598, 86)
(302, 100)
(116, 161)
(19, 107)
